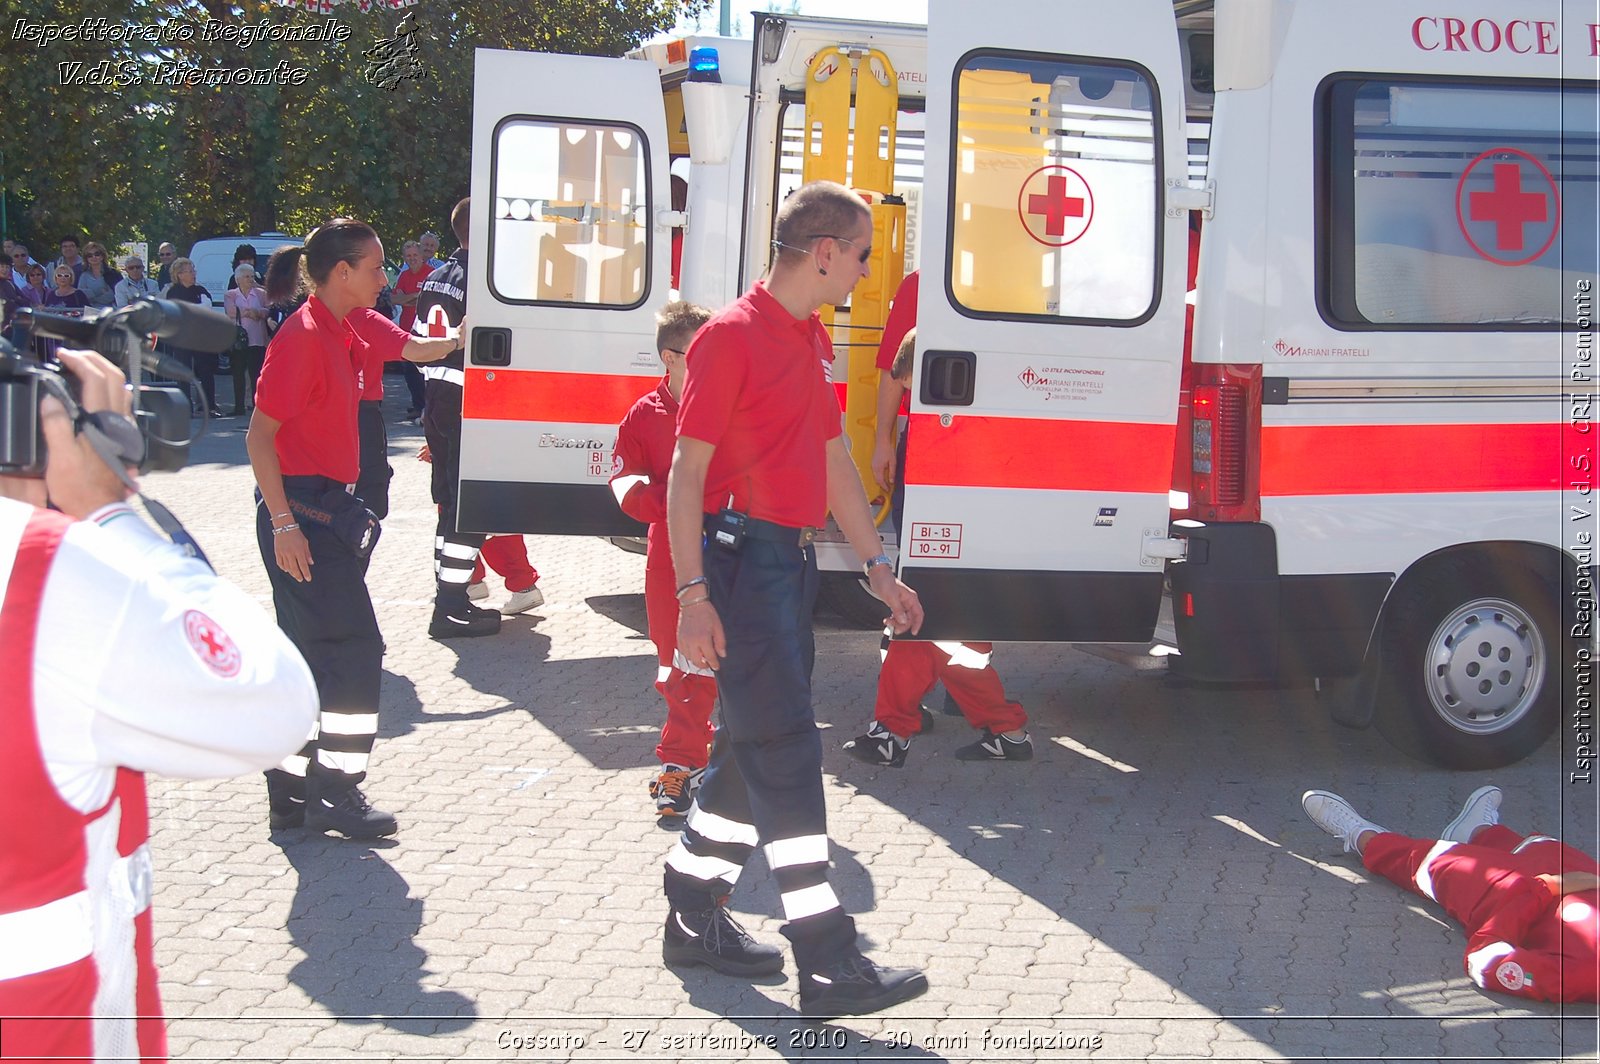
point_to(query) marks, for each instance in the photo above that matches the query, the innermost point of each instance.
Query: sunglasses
(133, 266)
(97, 254)
(866, 252)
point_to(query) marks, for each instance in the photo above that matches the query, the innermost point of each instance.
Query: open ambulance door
(569, 260)
(1050, 320)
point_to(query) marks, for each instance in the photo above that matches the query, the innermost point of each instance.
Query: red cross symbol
(214, 646)
(1056, 205)
(1063, 201)
(211, 644)
(1509, 207)
(438, 323)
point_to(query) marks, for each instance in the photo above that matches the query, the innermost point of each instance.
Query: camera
(125, 338)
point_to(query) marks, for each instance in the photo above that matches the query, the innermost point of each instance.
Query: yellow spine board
(860, 154)
(877, 120)
(827, 142)
(1002, 126)
(869, 308)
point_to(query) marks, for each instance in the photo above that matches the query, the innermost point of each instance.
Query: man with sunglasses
(167, 254)
(21, 260)
(134, 284)
(760, 462)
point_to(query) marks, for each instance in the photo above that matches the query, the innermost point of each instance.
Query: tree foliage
(151, 156)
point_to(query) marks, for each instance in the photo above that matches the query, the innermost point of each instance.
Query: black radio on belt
(726, 528)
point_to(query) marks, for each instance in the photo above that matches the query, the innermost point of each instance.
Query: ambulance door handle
(490, 347)
(948, 378)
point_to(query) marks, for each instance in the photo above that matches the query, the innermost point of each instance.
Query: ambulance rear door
(569, 260)
(1050, 321)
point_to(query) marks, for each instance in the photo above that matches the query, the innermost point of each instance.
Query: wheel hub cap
(1486, 663)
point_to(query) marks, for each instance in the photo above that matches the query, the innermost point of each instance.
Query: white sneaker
(478, 592)
(523, 601)
(1337, 817)
(1482, 809)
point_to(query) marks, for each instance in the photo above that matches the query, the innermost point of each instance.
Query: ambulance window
(571, 214)
(1458, 204)
(1054, 207)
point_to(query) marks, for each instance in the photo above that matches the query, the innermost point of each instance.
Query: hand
(905, 606)
(425, 455)
(293, 555)
(700, 636)
(883, 464)
(77, 479)
(1569, 882)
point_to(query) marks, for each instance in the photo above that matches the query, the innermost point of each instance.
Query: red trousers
(690, 696)
(1521, 939)
(508, 556)
(910, 670)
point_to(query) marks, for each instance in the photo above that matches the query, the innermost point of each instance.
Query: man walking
(759, 463)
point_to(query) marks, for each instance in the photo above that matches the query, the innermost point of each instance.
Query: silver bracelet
(291, 527)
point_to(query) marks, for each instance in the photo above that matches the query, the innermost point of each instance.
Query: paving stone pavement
(1145, 888)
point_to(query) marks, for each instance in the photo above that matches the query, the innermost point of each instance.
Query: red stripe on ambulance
(1402, 459)
(575, 398)
(1011, 452)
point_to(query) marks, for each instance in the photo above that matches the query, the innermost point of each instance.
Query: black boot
(286, 800)
(855, 986)
(335, 804)
(456, 618)
(711, 937)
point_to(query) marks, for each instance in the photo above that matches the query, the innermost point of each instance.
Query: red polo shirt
(311, 383)
(408, 283)
(902, 316)
(385, 340)
(759, 390)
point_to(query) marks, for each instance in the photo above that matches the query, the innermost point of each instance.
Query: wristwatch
(870, 563)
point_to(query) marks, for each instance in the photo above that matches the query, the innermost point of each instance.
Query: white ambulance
(1370, 468)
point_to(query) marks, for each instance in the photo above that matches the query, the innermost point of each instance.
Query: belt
(755, 528)
(445, 373)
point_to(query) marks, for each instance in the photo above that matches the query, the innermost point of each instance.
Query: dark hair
(341, 240)
(459, 219)
(676, 324)
(818, 208)
(71, 238)
(242, 252)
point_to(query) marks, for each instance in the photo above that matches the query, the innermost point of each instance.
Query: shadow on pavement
(355, 921)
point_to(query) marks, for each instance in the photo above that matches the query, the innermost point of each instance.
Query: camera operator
(123, 654)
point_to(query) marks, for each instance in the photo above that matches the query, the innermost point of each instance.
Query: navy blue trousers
(331, 622)
(763, 784)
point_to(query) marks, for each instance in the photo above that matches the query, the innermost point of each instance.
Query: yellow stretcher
(859, 154)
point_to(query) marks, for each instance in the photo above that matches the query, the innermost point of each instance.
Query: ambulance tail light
(1224, 426)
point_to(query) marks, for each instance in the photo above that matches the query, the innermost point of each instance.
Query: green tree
(152, 155)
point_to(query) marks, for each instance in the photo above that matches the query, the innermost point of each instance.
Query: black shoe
(855, 986)
(286, 816)
(348, 812)
(712, 938)
(463, 622)
(878, 747)
(996, 747)
(927, 720)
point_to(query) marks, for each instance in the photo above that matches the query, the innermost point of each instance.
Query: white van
(213, 258)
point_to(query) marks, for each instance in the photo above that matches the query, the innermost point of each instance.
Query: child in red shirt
(645, 441)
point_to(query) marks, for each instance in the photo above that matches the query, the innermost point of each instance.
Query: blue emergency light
(705, 65)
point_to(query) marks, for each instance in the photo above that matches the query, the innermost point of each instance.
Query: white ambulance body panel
(1372, 439)
(568, 263)
(1050, 320)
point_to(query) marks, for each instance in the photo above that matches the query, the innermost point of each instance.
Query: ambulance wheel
(1470, 674)
(845, 595)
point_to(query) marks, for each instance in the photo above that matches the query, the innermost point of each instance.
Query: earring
(822, 271)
